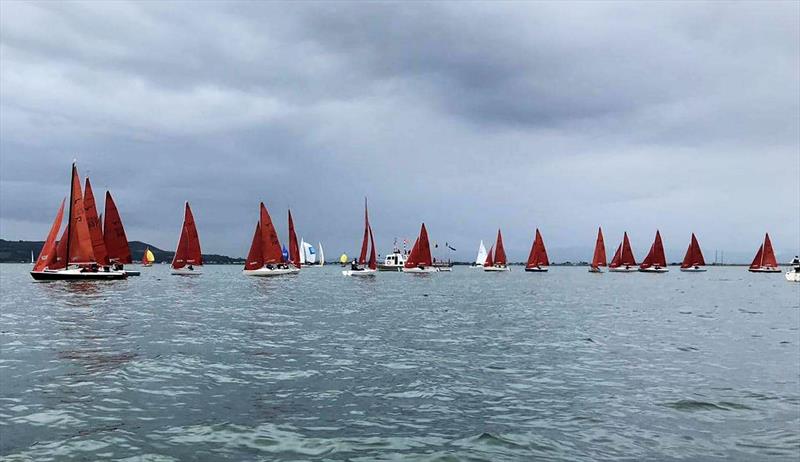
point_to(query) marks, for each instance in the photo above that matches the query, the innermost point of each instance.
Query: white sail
(321, 254)
(303, 260)
(481, 258)
(309, 254)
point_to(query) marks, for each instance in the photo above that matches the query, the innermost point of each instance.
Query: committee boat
(419, 259)
(693, 261)
(265, 257)
(119, 253)
(655, 261)
(538, 261)
(765, 261)
(364, 266)
(480, 259)
(72, 258)
(623, 260)
(188, 259)
(499, 262)
(599, 257)
(793, 274)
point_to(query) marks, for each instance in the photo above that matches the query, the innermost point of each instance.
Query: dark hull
(57, 276)
(133, 273)
(536, 270)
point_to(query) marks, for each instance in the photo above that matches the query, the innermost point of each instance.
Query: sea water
(466, 365)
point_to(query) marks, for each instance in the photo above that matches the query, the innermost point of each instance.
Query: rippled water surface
(460, 366)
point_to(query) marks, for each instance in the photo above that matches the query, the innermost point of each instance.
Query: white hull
(537, 269)
(766, 269)
(792, 275)
(694, 269)
(360, 273)
(197, 271)
(268, 272)
(476, 266)
(623, 269)
(496, 269)
(427, 269)
(653, 269)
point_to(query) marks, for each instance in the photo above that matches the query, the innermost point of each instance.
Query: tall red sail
(271, 251)
(48, 254)
(421, 252)
(599, 258)
(616, 261)
(627, 252)
(188, 251)
(500, 253)
(694, 256)
(93, 223)
(362, 257)
(294, 248)
(114, 234)
(656, 255)
(373, 258)
(538, 256)
(255, 259)
(75, 246)
(489, 257)
(768, 259)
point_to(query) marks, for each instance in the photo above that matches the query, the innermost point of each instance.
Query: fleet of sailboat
(188, 259)
(538, 261)
(497, 262)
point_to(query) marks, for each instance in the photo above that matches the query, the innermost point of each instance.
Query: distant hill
(20, 251)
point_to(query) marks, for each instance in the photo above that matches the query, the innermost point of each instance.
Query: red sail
(627, 252)
(188, 251)
(694, 256)
(271, 251)
(48, 254)
(75, 244)
(373, 258)
(114, 234)
(294, 248)
(616, 261)
(254, 256)
(599, 258)
(656, 255)
(421, 252)
(362, 257)
(538, 256)
(93, 223)
(500, 253)
(489, 257)
(759, 258)
(768, 258)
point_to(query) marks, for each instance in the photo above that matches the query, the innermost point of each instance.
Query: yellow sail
(343, 259)
(148, 257)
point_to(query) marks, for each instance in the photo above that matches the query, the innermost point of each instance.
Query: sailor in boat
(796, 264)
(354, 266)
(190, 267)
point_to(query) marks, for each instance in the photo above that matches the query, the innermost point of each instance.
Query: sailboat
(147, 257)
(499, 262)
(321, 254)
(765, 261)
(119, 253)
(623, 260)
(188, 259)
(480, 259)
(364, 267)
(420, 260)
(693, 261)
(73, 257)
(599, 258)
(537, 259)
(265, 257)
(655, 261)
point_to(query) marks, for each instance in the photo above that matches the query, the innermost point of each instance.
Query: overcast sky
(467, 116)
